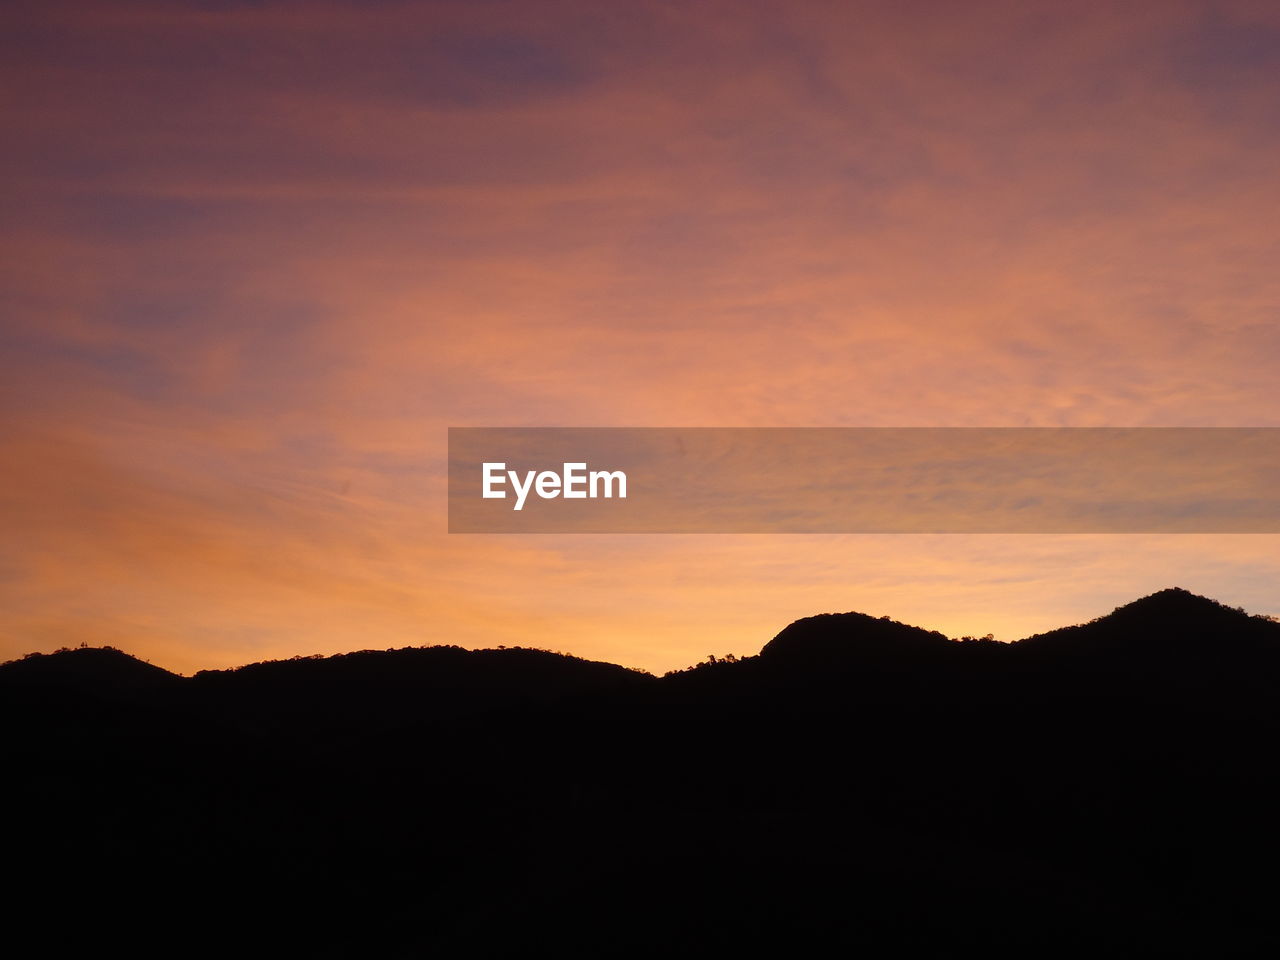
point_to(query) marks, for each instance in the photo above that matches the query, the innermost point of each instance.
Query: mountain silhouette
(1169, 623)
(859, 785)
(841, 639)
(390, 687)
(93, 670)
(441, 671)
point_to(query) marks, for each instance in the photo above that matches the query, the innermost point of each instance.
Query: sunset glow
(256, 258)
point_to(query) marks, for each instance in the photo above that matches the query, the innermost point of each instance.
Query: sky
(256, 258)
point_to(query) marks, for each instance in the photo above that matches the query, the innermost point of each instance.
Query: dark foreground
(861, 787)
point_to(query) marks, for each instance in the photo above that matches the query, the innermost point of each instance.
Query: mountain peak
(847, 639)
(1173, 600)
(1172, 620)
(87, 668)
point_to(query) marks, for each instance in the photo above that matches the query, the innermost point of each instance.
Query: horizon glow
(257, 258)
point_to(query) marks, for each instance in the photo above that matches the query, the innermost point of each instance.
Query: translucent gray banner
(864, 480)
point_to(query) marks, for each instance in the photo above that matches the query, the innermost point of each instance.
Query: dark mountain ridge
(1169, 623)
(88, 669)
(1173, 622)
(861, 785)
(836, 638)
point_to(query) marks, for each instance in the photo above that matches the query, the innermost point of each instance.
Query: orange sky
(255, 258)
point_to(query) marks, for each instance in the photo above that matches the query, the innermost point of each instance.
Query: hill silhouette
(98, 670)
(832, 639)
(1169, 623)
(390, 687)
(860, 785)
